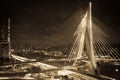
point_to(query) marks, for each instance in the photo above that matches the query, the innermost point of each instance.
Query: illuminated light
(27, 75)
(64, 72)
(16, 78)
(116, 70)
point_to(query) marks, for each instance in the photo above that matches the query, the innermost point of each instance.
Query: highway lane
(48, 67)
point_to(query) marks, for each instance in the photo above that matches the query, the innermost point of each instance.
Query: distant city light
(116, 70)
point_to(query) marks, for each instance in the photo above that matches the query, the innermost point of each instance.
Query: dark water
(110, 69)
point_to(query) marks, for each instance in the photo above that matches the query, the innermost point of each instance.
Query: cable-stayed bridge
(90, 38)
(91, 45)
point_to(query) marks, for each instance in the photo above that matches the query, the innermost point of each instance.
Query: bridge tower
(89, 41)
(5, 44)
(84, 39)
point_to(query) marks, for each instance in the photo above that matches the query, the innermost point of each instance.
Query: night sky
(34, 21)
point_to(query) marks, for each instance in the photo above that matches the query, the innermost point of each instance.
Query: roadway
(47, 67)
(50, 67)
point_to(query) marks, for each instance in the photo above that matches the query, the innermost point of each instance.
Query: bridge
(91, 45)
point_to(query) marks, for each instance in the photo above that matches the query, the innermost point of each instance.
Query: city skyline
(46, 21)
